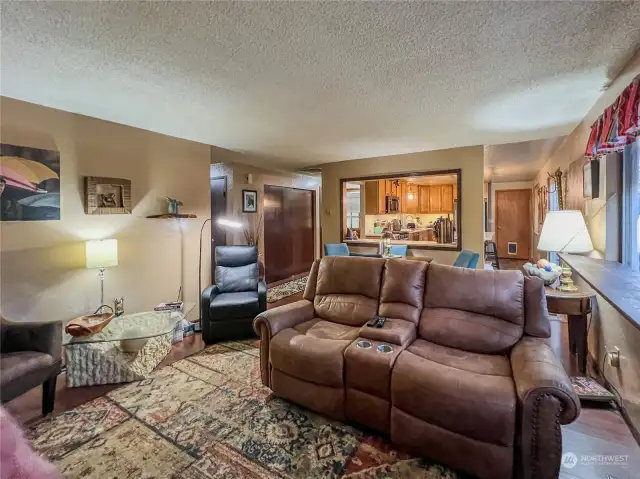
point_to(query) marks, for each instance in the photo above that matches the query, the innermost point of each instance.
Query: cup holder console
(385, 348)
(363, 344)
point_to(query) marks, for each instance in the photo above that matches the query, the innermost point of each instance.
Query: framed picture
(249, 201)
(107, 196)
(591, 179)
(29, 184)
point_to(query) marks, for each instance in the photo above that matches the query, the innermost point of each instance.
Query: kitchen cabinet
(423, 199)
(411, 205)
(375, 196)
(436, 199)
(446, 198)
(371, 191)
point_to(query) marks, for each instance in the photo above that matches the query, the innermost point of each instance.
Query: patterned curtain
(618, 126)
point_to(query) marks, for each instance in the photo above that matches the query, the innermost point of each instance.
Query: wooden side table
(576, 306)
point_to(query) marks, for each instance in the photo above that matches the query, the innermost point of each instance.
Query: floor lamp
(200, 271)
(222, 222)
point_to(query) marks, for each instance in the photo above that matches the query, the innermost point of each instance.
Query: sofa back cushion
(402, 290)
(536, 315)
(473, 310)
(348, 289)
(236, 268)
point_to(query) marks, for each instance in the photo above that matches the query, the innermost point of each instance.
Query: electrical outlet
(614, 357)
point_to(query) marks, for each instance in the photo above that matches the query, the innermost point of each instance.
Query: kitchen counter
(427, 244)
(403, 230)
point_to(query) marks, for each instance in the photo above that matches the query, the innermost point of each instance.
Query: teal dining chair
(467, 259)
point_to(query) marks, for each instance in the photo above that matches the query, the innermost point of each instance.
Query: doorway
(513, 224)
(218, 210)
(289, 231)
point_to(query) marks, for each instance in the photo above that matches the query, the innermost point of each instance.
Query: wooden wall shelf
(167, 216)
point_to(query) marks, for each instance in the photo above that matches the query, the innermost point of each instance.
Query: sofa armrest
(282, 317)
(205, 304)
(537, 371)
(546, 400)
(395, 331)
(271, 322)
(42, 337)
(262, 295)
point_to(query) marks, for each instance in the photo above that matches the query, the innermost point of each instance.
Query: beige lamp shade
(565, 232)
(102, 253)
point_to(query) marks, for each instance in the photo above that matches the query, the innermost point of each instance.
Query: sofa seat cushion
(244, 304)
(312, 359)
(328, 330)
(466, 393)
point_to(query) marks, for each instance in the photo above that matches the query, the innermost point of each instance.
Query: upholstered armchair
(228, 307)
(30, 355)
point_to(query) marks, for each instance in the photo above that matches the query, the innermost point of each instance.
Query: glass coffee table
(126, 350)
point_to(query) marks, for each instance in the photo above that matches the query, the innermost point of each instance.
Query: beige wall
(42, 272)
(609, 328)
(469, 159)
(237, 172)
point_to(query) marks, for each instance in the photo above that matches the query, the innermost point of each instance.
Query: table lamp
(565, 231)
(101, 254)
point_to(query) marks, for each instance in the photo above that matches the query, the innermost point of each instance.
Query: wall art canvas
(29, 183)
(107, 196)
(249, 201)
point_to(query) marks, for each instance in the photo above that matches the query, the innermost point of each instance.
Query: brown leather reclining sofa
(469, 382)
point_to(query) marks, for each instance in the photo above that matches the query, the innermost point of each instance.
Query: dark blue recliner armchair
(227, 308)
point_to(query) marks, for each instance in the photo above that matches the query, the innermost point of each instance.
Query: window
(420, 209)
(554, 205)
(631, 206)
(353, 208)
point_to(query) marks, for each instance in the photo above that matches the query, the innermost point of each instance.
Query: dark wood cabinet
(289, 231)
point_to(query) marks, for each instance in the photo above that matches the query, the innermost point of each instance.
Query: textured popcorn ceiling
(311, 82)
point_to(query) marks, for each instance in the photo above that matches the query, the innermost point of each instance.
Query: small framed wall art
(249, 201)
(107, 196)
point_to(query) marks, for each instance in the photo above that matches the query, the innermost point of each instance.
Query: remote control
(380, 322)
(373, 321)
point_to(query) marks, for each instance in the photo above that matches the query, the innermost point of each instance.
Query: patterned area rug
(206, 417)
(286, 289)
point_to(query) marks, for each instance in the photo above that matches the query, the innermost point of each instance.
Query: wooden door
(289, 236)
(513, 223)
(447, 198)
(435, 199)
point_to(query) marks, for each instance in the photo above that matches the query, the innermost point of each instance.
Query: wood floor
(598, 432)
